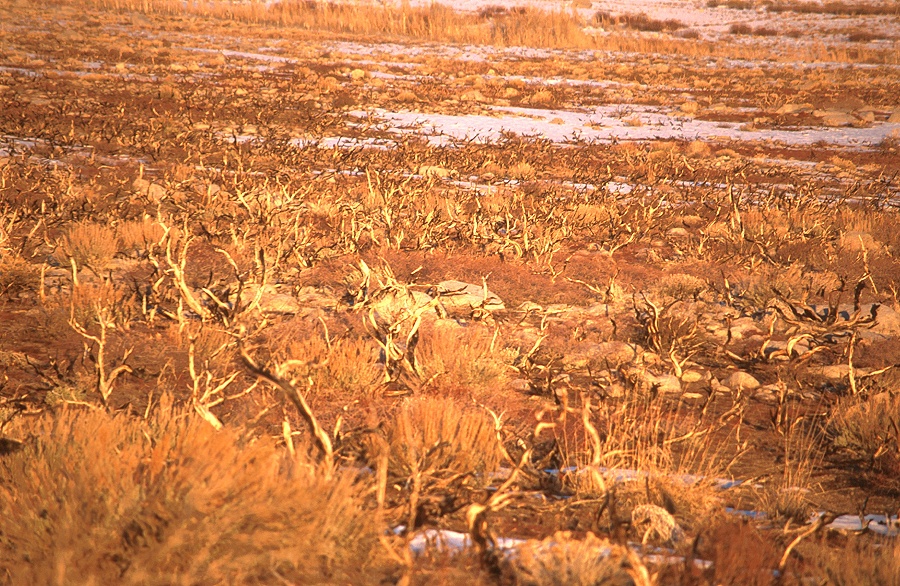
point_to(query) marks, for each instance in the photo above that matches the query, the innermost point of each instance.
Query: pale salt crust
(606, 124)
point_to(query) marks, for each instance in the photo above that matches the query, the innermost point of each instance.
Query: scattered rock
(895, 117)
(741, 381)
(357, 75)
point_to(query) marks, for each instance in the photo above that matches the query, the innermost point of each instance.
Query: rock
(895, 117)
(357, 75)
(461, 296)
(677, 232)
(741, 381)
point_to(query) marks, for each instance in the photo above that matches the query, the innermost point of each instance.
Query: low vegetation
(251, 334)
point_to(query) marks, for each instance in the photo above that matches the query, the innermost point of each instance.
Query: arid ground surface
(541, 293)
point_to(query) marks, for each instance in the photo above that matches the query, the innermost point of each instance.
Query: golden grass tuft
(101, 499)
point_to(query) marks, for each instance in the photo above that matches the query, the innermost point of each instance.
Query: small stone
(357, 75)
(741, 381)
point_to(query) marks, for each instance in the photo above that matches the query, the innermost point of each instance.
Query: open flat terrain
(532, 293)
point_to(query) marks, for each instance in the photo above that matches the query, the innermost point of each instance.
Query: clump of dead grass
(96, 498)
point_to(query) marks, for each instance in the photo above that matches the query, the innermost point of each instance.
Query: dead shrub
(95, 498)
(90, 244)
